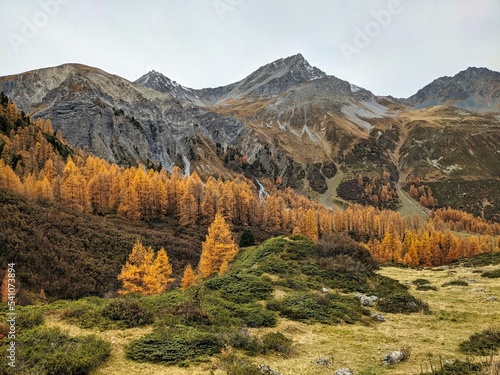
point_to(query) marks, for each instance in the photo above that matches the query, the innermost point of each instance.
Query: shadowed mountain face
(287, 119)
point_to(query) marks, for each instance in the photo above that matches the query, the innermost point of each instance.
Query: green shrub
(401, 303)
(426, 287)
(495, 274)
(245, 288)
(189, 313)
(421, 282)
(327, 309)
(298, 247)
(483, 343)
(128, 312)
(174, 345)
(226, 313)
(273, 264)
(28, 318)
(456, 283)
(272, 342)
(49, 351)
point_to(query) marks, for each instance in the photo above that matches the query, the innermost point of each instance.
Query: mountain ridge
(287, 120)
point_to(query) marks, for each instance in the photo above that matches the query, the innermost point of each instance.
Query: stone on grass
(394, 357)
(378, 317)
(344, 371)
(266, 370)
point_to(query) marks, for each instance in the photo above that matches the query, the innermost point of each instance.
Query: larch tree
(218, 248)
(144, 273)
(158, 276)
(309, 226)
(188, 277)
(136, 268)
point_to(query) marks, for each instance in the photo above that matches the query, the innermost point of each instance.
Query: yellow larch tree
(218, 249)
(309, 225)
(73, 186)
(188, 277)
(144, 273)
(135, 269)
(158, 276)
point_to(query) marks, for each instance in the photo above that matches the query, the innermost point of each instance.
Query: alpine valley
(288, 223)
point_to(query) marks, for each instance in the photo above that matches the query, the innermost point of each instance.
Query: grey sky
(391, 47)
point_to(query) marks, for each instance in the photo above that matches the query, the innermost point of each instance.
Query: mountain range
(288, 122)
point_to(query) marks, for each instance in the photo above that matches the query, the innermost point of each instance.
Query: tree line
(35, 161)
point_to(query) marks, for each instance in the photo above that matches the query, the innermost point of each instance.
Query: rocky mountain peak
(295, 67)
(472, 89)
(159, 82)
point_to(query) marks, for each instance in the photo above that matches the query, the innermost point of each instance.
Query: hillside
(81, 212)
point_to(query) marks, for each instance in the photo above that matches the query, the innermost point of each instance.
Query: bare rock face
(475, 89)
(116, 119)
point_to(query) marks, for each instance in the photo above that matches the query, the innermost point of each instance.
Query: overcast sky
(391, 47)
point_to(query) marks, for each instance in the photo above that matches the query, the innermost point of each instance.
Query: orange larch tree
(188, 277)
(218, 249)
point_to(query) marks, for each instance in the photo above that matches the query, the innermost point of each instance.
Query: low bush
(421, 281)
(278, 343)
(28, 318)
(426, 287)
(361, 262)
(174, 345)
(128, 312)
(272, 342)
(189, 313)
(401, 303)
(327, 309)
(456, 283)
(486, 342)
(244, 288)
(495, 274)
(226, 313)
(49, 351)
(233, 364)
(458, 368)
(242, 340)
(298, 247)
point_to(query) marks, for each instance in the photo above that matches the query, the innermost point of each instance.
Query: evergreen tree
(246, 238)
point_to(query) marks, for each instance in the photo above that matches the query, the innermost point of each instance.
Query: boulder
(266, 370)
(378, 317)
(344, 371)
(394, 357)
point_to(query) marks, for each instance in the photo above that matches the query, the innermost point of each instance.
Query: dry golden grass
(456, 313)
